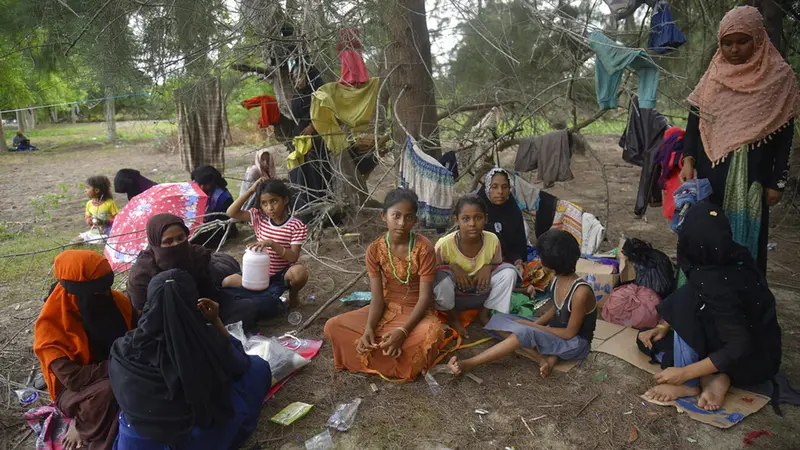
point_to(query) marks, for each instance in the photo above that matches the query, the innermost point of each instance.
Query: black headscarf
(173, 372)
(506, 221)
(131, 182)
(726, 305)
(209, 175)
(301, 102)
(186, 256)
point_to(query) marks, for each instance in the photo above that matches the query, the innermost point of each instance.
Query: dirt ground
(42, 207)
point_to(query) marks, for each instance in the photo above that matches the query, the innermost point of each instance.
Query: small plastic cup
(295, 318)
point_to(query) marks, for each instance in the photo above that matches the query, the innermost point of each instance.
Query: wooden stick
(526, 426)
(586, 405)
(332, 299)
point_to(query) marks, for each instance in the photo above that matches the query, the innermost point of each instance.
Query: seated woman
(79, 321)
(505, 218)
(215, 186)
(180, 379)
(471, 272)
(131, 183)
(726, 328)
(263, 168)
(397, 335)
(564, 332)
(168, 247)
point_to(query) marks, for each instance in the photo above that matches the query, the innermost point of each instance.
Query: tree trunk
(3, 146)
(21, 121)
(73, 116)
(773, 12)
(410, 51)
(110, 113)
(53, 115)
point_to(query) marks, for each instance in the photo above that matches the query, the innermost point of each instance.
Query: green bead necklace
(391, 260)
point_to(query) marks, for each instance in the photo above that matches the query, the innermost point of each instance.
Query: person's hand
(260, 245)
(462, 278)
(687, 171)
(520, 266)
(255, 185)
(672, 375)
(367, 342)
(392, 343)
(483, 277)
(773, 197)
(209, 308)
(652, 336)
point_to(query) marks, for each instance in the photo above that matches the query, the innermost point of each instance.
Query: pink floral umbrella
(128, 237)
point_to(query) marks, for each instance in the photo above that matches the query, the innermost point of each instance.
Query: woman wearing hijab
(73, 335)
(263, 168)
(505, 218)
(739, 132)
(131, 183)
(215, 186)
(180, 379)
(725, 326)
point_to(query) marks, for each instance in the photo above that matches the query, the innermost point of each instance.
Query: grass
(54, 136)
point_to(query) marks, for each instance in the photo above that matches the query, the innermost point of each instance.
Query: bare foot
(459, 367)
(456, 325)
(72, 439)
(714, 389)
(483, 316)
(546, 365)
(234, 280)
(670, 392)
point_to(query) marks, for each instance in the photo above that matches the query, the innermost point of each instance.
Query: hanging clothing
(592, 234)
(302, 145)
(545, 212)
(131, 183)
(450, 162)
(549, 154)
(270, 113)
(202, 120)
(725, 311)
(620, 9)
(432, 182)
(312, 177)
(743, 104)
(334, 103)
(422, 344)
(174, 375)
(612, 59)
(79, 321)
(664, 34)
(526, 194)
(569, 217)
(506, 221)
(642, 138)
(354, 72)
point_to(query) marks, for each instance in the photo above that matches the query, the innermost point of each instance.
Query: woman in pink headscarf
(740, 128)
(263, 168)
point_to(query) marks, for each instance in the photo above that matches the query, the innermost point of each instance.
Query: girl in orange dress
(398, 334)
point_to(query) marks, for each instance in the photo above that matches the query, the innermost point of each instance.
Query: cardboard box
(600, 276)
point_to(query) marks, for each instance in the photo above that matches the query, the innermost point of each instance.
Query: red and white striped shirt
(292, 232)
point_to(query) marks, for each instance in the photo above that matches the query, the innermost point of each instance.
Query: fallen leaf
(692, 440)
(634, 435)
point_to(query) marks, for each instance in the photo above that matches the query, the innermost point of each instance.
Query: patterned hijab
(743, 104)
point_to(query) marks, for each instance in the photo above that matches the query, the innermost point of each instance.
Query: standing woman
(739, 132)
(504, 216)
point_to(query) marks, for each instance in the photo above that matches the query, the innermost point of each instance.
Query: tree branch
(476, 107)
(86, 27)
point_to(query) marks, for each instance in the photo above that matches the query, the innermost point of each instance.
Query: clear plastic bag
(282, 361)
(344, 416)
(322, 441)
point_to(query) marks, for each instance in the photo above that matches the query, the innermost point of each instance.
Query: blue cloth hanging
(664, 35)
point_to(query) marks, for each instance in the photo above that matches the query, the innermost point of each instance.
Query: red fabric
(672, 130)
(307, 348)
(349, 38)
(632, 306)
(749, 440)
(672, 183)
(354, 71)
(269, 109)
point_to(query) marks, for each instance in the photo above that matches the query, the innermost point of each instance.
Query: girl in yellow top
(100, 209)
(471, 272)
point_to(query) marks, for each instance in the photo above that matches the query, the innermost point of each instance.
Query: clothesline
(74, 103)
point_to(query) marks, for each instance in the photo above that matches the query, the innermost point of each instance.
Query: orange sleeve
(427, 262)
(373, 261)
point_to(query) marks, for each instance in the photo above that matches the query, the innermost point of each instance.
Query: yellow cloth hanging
(334, 102)
(302, 145)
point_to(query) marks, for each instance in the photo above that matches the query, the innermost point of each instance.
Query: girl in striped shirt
(279, 234)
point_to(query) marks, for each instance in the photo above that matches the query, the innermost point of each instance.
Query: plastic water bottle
(255, 270)
(433, 385)
(26, 396)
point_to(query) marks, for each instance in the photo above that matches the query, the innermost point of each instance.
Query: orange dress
(422, 344)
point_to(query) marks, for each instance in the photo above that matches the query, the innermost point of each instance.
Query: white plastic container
(255, 270)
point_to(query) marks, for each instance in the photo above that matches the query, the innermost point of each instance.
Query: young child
(470, 270)
(100, 210)
(279, 234)
(563, 332)
(397, 335)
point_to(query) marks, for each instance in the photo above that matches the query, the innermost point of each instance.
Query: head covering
(743, 104)
(131, 182)
(505, 220)
(705, 240)
(209, 175)
(173, 372)
(156, 259)
(265, 163)
(82, 316)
